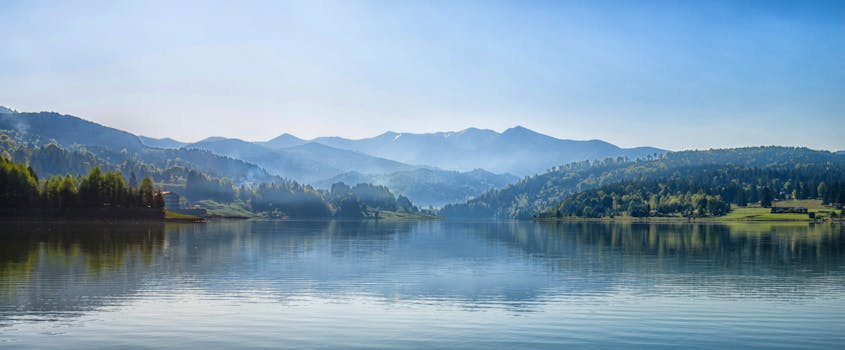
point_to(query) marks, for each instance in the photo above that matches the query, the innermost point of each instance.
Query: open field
(234, 209)
(760, 214)
(811, 204)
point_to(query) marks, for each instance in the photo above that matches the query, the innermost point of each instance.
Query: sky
(670, 74)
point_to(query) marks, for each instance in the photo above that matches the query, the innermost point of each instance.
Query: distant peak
(474, 130)
(392, 135)
(518, 129)
(285, 136)
(213, 139)
(7, 110)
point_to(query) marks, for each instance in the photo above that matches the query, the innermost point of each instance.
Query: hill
(308, 162)
(161, 143)
(536, 194)
(429, 187)
(283, 141)
(708, 191)
(78, 145)
(68, 130)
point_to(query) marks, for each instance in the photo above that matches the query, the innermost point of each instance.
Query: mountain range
(518, 150)
(432, 169)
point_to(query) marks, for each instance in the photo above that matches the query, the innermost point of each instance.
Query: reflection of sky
(512, 265)
(343, 284)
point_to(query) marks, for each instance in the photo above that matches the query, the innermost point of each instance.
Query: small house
(171, 201)
(789, 210)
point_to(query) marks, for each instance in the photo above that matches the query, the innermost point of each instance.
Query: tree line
(20, 187)
(292, 199)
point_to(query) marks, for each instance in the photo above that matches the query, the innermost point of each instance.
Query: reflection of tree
(101, 246)
(250, 241)
(47, 267)
(50, 267)
(817, 247)
(733, 259)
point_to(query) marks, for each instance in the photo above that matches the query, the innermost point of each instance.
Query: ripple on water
(410, 285)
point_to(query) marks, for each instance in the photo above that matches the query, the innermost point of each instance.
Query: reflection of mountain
(52, 269)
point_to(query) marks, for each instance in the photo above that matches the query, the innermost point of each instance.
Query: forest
(725, 175)
(191, 173)
(20, 188)
(291, 199)
(709, 192)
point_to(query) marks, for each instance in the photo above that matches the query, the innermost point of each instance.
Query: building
(171, 203)
(171, 200)
(789, 210)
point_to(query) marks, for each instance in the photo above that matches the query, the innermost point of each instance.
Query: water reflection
(57, 270)
(49, 271)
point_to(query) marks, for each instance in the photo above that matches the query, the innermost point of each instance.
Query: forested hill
(42, 127)
(707, 190)
(56, 144)
(540, 193)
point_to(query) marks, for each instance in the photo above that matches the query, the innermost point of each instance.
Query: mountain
(345, 160)
(276, 163)
(307, 162)
(283, 141)
(161, 143)
(517, 150)
(536, 194)
(429, 187)
(68, 130)
(213, 139)
(90, 144)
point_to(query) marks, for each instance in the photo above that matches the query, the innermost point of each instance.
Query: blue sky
(672, 74)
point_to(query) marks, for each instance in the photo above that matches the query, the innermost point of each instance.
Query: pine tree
(766, 197)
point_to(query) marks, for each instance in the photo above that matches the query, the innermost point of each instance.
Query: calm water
(248, 284)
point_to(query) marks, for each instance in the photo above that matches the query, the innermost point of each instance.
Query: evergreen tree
(146, 193)
(766, 198)
(742, 199)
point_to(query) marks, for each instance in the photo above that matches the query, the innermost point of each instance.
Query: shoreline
(686, 220)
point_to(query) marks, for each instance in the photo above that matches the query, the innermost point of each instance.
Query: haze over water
(437, 284)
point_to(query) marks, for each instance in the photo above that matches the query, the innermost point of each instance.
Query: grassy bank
(236, 209)
(403, 216)
(823, 213)
(179, 217)
(737, 214)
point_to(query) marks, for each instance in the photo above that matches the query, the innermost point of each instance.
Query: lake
(432, 284)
